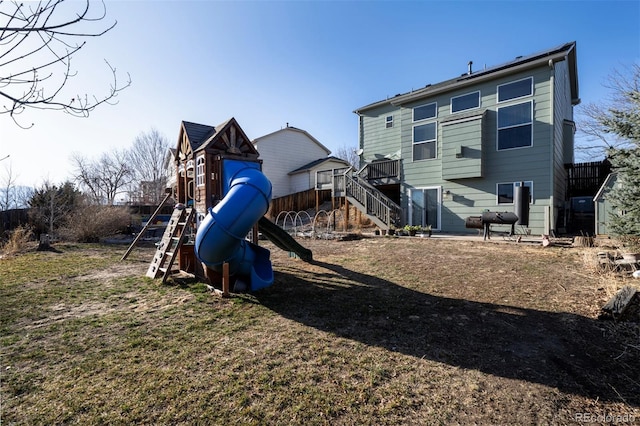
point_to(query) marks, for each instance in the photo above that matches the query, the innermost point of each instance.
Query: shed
(603, 207)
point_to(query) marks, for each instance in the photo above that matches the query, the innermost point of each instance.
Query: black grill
(489, 218)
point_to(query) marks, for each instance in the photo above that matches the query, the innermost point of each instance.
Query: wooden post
(225, 279)
(346, 214)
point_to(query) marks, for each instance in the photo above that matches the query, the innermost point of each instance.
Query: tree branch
(24, 87)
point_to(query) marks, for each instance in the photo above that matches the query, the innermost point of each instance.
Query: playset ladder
(170, 243)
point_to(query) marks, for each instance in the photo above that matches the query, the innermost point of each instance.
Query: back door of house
(425, 207)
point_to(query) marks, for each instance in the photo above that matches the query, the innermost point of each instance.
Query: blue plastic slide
(221, 235)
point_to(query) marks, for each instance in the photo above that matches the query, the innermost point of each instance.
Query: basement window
(505, 192)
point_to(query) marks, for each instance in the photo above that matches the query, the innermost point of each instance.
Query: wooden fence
(584, 179)
(11, 219)
(299, 201)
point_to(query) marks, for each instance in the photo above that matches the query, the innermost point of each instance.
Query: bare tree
(8, 189)
(13, 196)
(147, 158)
(37, 41)
(598, 137)
(102, 180)
(349, 154)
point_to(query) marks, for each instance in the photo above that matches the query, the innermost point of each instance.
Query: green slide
(282, 239)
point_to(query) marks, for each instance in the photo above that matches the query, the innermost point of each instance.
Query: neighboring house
(603, 208)
(465, 144)
(291, 159)
(316, 174)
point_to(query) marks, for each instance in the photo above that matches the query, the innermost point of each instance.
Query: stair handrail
(383, 207)
(376, 192)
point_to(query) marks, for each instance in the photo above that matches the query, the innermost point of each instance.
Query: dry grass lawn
(374, 331)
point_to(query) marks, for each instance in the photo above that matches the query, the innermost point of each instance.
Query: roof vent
(469, 65)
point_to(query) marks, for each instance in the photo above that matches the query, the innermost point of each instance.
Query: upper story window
(424, 112)
(515, 126)
(200, 171)
(424, 141)
(515, 89)
(505, 191)
(389, 121)
(465, 102)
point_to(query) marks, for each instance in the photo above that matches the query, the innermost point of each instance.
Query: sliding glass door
(425, 207)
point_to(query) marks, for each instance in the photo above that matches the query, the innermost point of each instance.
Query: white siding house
(286, 157)
(311, 174)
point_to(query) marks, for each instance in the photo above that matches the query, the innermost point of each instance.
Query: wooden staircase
(383, 211)
(170, 243)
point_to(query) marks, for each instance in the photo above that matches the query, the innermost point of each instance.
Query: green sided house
(439, 154)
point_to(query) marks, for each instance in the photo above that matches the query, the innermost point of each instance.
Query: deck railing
(325, 178)
(382, 169)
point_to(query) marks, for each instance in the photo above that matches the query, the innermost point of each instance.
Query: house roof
(213, 133)
(566, 51)
(227, 137)
(293, 129)
(197, 133)
(316, 163)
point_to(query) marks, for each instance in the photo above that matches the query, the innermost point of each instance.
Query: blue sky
(306, 63)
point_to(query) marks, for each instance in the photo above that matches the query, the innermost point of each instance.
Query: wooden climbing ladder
(170, 243)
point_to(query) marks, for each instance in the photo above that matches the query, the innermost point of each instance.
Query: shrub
(17, 241)
(90, 223)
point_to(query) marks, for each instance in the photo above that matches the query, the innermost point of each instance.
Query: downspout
(549, 226)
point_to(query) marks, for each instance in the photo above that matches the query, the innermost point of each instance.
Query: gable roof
(293, 129)
(227, 136)
(315, 163)
(566, 51)
(197, 133)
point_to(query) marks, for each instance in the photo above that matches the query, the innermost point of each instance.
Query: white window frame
(498, 128)
(435, 113)
(388, 121)
(462, 96)
(434, 141)
(528, 183)
(516, 98)
(200, 171)
(411, 219)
